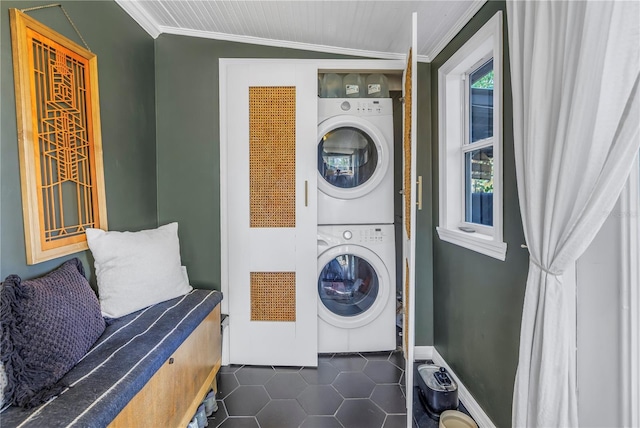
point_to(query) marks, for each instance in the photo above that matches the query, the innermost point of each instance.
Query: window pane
(479, 186)
(481, 102)
(347, 157)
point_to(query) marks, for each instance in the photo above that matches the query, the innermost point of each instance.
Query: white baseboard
(423, 352)
(464, 395)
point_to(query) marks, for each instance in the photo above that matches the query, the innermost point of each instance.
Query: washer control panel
(374, 235)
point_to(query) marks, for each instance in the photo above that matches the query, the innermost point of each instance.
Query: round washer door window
(348, 285)
(349, 157)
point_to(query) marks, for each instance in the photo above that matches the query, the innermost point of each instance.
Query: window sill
(482, 244)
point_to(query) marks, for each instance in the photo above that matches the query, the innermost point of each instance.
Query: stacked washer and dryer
(356, 242)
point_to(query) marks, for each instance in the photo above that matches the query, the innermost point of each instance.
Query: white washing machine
(356, 288)
(355, 161)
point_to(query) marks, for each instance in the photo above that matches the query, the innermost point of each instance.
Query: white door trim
(630, 295)
(409, 242)
(224, 171)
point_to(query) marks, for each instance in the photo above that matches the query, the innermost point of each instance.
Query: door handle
(419, 193)
(306, 193)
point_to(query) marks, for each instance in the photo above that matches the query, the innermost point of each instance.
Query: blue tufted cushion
(48, 324)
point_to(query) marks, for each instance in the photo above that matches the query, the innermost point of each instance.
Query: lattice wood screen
(59, 138)
(273, 296)
(407, 146)
(272, 156)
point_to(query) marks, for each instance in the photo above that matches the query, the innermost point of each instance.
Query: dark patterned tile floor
(345, 391)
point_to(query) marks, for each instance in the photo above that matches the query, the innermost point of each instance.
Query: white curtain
(575, 68)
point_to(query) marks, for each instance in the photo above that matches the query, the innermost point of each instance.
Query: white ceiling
(372, 28)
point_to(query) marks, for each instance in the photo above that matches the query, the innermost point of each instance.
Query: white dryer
(355, 161)
(356, 292)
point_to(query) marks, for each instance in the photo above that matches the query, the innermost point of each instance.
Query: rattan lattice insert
(272, 156)
(407, 146)
(273, 296)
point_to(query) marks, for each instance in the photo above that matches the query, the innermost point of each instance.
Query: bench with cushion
(150, 368)
(145, 353)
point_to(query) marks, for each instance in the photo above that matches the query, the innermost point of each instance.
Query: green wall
(424, 334)
(188, 142)
(127, 110)
(478, 299)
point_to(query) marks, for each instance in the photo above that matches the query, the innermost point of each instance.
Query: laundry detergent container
(377, 86)
(438, 391)
(354, 86)
(331, 86)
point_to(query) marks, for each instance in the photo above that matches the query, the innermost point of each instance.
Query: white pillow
(137, 269)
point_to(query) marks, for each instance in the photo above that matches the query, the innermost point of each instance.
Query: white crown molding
(279, 43)
(139, 15)
(465, 396)
(455, 29)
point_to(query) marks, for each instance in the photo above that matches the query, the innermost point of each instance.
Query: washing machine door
(353, 286)
(353, 157)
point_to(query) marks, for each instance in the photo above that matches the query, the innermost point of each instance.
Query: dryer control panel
(369, 107)
(328, 107)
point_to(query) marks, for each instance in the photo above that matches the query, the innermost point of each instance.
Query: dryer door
(353, 286)
(353, 157)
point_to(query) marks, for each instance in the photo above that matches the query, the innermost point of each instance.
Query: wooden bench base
(173, 394)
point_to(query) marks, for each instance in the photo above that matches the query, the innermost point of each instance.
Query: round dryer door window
(348, 285)
(348, 157)
(353, 157)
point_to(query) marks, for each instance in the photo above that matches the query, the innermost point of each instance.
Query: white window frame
(453, 142)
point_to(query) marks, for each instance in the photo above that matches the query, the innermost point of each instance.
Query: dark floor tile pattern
(345, 391)
(285, 385)
(246, 400)
(354, 385)
(360, 412)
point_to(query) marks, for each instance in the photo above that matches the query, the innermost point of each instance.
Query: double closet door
(268, 196)
(268, 162)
